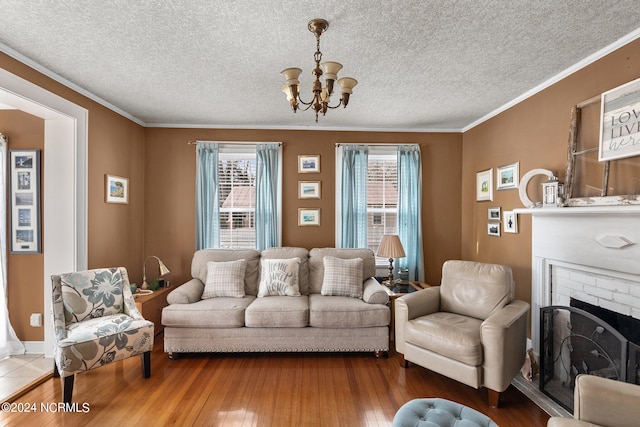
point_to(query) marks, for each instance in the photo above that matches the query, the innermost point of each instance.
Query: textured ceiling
(421, 65)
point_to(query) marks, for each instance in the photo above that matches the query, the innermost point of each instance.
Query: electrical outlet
(36, 320)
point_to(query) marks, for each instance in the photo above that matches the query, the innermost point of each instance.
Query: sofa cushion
(449, 334)
(316, 264)
(224, 279)
(251, 256)
(292, 252)
(345, 312)
(342, 277)
(279, 277)
(208, 313)
(278, 312)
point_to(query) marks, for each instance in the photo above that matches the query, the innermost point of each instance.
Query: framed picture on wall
(510, 222)
(484, 185)
(508, 176)
(308, 189)
(24, 176)
(494, 214)
(619, 128)
(116, 189)
(308, 163)
(493, 229)
(308, 216)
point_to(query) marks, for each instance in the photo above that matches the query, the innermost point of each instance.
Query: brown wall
(24, 271)
(535, 133)
(115, 232)
(170, 189)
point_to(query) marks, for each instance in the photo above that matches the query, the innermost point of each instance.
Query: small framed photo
(24, 177)
(507, 176)
(308, 216)
(510, 222)
(308, 163)
(484, 185)
(493, 229)
(308, 189)
(116, 189)
(494, 214)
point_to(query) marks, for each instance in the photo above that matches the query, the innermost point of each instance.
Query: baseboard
(33, 347)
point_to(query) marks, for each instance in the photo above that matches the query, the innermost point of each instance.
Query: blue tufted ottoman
(439, 412)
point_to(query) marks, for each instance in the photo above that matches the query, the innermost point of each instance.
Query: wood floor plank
(347, 389)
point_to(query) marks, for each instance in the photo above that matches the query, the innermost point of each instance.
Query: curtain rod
(377, 145)
(235, 142)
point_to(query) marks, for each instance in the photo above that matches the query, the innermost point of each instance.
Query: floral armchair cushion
(91, 294)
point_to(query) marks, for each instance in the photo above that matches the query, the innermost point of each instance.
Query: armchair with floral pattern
(96, 322)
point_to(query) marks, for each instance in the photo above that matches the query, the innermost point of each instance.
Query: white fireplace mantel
(599, 240)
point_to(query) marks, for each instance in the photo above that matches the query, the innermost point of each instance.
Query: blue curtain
(267, 175)
(207, 197)
(409, 210)
(354, 196)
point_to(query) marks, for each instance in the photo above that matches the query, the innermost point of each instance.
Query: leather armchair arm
(188, 293)
(607, 402)
(412, 306)
(504, 340)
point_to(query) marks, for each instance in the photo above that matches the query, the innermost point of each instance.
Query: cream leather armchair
(469, 328)
(602, 402)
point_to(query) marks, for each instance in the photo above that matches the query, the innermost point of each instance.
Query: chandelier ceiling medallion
(321, 95)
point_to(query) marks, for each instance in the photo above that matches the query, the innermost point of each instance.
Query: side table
(150, 306)
(393, 295)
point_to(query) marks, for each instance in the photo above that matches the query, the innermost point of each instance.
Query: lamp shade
(291, 75)
(163, 269)
(331, 69)
(347, 84)
(391, 247)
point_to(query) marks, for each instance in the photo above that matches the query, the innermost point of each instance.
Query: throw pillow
(342, 277)
(225, 279)
(279, 277)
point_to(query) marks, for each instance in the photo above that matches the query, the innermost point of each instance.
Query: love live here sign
(620, 125)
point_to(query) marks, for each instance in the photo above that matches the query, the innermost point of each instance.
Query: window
(382, 198)
(237, 186)
(238, 195)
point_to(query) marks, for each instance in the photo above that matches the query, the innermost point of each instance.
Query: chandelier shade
(320, 102)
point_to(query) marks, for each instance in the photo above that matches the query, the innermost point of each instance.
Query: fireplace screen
(576, 342)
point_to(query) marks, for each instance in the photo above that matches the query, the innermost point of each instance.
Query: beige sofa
(470, 328)
(602, 402)
(311, 322)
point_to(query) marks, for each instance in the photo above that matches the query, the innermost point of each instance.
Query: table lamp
(390, 247)
(163, 271)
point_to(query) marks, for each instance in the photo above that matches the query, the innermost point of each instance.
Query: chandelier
(321, 95)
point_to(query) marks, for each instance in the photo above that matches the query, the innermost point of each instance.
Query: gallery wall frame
(309, 190)
(507, 176)
(24, 177)
(484, 185)
(510, 224)
(493, 229)
(116, 189)
(308, 216)
(493, 214)
(308, 163)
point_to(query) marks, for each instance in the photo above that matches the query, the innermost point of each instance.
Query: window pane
(382, 199)
(237, 179)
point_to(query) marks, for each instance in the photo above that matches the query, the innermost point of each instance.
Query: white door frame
(65, 184)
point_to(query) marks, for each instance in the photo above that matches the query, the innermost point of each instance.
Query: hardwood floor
(350, 389)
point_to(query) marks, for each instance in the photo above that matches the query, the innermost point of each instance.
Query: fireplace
(589, 254)
(575, 342)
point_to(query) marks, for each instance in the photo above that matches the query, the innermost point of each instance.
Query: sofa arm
(188, 293)
(412, 306)
(504, 341)
(373, 292)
